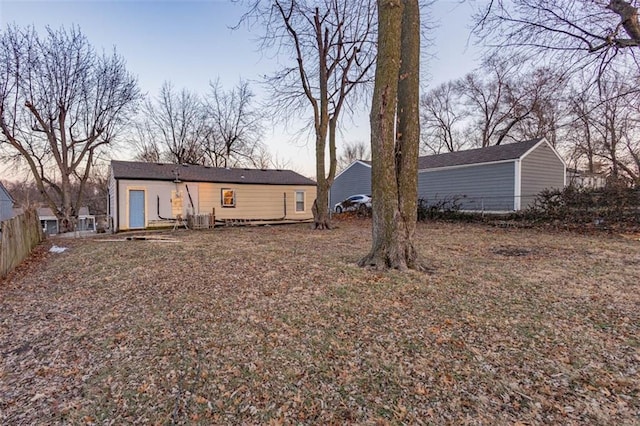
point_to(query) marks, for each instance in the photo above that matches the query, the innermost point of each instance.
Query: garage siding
(356, 179)
(541, 169)
(488, 187)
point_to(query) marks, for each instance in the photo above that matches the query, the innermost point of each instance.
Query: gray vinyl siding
(488, 187)
(354, 180)
(6, 206)
(540, 169)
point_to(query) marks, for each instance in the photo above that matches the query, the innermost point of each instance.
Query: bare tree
(395, 150)
(332, 47)
(262, 158)
(581, 136)
(613, 119)
(352, 152)
(173, 128)
(61, 103)
(25, 193)
(578, 31)
(604, 127)
(235, 126)
(503, 97)
(441, 116)
(546, 120)
(592, 38)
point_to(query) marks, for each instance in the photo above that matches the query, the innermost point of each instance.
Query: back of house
(145, 195)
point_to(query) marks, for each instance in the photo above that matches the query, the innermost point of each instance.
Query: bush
(448, 208)
(612, 204)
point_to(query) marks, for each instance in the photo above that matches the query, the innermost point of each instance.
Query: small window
(228, 197)
(299, 201)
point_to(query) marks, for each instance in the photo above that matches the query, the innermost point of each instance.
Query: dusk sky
(190, 43)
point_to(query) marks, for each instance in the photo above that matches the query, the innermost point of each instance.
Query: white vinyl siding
(258, 202)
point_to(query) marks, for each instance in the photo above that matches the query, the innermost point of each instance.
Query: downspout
(190, 200)
(158, 208)
(285, 205)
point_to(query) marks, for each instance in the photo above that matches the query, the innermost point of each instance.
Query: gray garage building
(499, 178)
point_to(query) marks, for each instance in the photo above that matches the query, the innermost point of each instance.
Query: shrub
(447, 208)
(612, 204)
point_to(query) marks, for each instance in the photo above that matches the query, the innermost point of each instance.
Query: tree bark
(408, 138)
(393, 223)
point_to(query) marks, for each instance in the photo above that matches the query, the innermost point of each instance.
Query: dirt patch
(514, 251)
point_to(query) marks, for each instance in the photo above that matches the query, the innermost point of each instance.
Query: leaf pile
(277, 325)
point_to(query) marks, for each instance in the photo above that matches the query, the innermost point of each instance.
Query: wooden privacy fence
(19, 236)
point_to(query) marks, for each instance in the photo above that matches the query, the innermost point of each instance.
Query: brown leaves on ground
(277, 325)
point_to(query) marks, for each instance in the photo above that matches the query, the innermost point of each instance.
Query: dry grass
(277, 325)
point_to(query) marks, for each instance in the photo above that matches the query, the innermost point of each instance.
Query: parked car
(353, 203)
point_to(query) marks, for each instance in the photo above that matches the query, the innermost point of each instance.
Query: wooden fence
(201, 221)
(19, 236)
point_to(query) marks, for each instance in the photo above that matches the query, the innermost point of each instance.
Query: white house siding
(158, 200)
(484, 187)
(258, 202)
(112, 206)
(252, 201)
(540, 169)
(356, 179)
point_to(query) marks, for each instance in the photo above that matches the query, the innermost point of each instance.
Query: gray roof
(47, 212)
(190, 173)
(489, 154)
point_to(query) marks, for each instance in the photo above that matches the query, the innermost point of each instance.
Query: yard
(277, 325)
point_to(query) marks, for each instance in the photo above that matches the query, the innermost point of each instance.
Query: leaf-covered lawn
(277, 325)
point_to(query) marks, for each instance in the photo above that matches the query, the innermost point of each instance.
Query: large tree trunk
(395, 151)
(408, 138)
(387, 247)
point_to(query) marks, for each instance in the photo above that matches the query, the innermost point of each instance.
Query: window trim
(222, 198)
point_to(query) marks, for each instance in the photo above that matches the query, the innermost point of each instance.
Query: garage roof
(489, 154)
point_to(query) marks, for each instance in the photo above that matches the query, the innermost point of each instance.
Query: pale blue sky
(191, 43)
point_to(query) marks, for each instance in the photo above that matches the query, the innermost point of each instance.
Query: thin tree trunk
(320, 208)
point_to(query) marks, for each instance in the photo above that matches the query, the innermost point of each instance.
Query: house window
(228, 197)
(299, 201)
